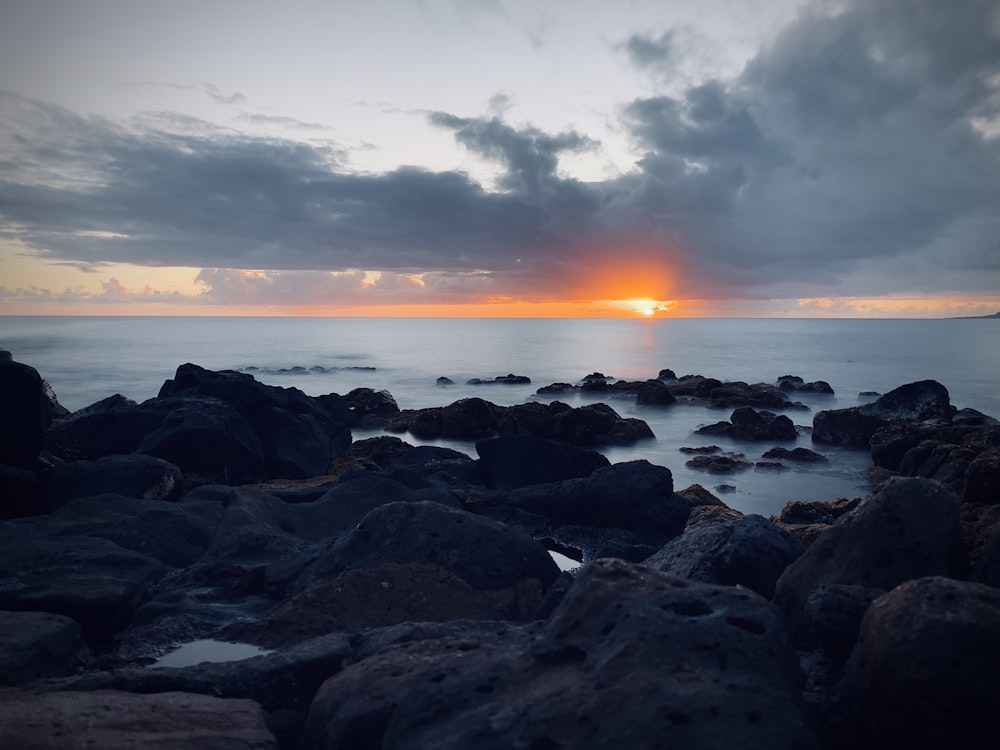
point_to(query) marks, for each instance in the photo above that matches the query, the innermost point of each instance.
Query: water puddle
(564, 562)
(208, 650)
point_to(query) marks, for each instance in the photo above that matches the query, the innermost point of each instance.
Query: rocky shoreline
(406, 596)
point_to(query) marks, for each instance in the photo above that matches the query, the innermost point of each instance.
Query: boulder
(208, 438)
(91, 580)
(20, 493)
(908, 528)
(599, 673)
(482, 552)
(635, 496)
(390, 594)
(138, 476)
(112, 426)
(115, 720)
(654, 393)
(34, 645)
(924, 672)
(799, 454)
(520, 461)
(362, 402)
(855, 426)
(746, 423)
(748, 551)
(25, 413)
(718, 464)
(596, 425)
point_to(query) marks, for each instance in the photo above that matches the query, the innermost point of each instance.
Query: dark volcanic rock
(635, 496)
(362, 402)
(25, 413)
(484, 553)
(654, 393)
(115, 720)
(475, 419)
(817, 511)
(600, 673)
(800, 454)
(94, 581)
(746, 423)
(908, 528)
(34, 645)
(718, 464)
(924, 670)
(218, 426)
(923, 400)
(138, 476)
(749, 551)
(512, 462)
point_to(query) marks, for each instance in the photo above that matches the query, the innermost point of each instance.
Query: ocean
(85, 359)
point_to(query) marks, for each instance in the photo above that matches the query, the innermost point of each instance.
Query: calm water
(86, 359)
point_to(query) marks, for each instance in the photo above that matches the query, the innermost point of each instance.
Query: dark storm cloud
(860, 148)
(647, 51)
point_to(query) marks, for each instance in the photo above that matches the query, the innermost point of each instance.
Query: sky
(697, 158)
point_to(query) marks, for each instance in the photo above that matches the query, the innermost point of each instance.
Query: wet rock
(923, 673)
(444, 381)
(598, 674)
(817, 511)
(749, 551)
(746, 423)
(20, 491)
(908, 528)
(34, 645)
(512, 462)
(802, 455)
(832, 617)
(138, 476)
(654, 393)
(598, 424)
(362, 402)
(115, 720)
(718, 464)
(855, 426)
(795, 383)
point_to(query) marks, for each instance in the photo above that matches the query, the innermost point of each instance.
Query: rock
(908, 528)
(599, 673)
(797, 384)
(598, 424)
(749, 551)
(704, 516)
(982, 479)
(512, 462)
(93, 581)
(833, 614)
(923, 673)
(217, 426)
(34, 645)
(803, 455)
(138, 476)
(718, 464)
(207, 438)
(444, 381)
(554, 388)
(26, 413)
(114, 720)
(817, 511)
(390, 594)
(482, 552)
(855, 426)
(635, 496)
(362, 402)
(20, 493)
(666, 374)
(176, 534)
(380, 451)
(654, 393)
(112, 426)
(696, 496)
(746, 423)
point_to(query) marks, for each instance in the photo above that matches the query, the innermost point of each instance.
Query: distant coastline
(995, 315)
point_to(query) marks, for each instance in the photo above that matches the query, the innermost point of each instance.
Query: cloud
(851, 156)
